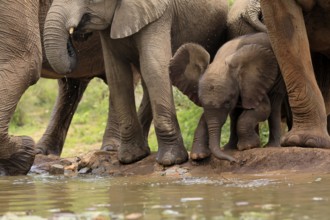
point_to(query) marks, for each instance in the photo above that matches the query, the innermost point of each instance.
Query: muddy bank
(253, 161)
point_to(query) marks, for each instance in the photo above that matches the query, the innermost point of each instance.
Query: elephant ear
(132, 15)
(256, 68)
(186, 67)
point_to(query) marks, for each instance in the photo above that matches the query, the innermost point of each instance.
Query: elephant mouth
(70, 48)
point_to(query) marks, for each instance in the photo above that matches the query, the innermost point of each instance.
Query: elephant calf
(243, 81)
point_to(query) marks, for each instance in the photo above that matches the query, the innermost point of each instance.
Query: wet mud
(254, 161)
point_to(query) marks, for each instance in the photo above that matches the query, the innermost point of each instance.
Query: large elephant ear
(186, 67)
(256, 68)
(132, 15)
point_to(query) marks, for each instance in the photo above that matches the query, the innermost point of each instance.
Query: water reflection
(145, 197)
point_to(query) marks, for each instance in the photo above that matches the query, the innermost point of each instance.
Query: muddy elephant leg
(287, 32)
(200, 147)
(233, 139)
(16, 152)
(247, 122)
(70, 92)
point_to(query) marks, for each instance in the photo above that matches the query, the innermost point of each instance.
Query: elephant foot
(251, 142)
(131, 153)
(199, 152)
(230, 146)
(171, 155)
(111, 145)
(313, 137)
(20, 161)
(273, 144)
(45, 150)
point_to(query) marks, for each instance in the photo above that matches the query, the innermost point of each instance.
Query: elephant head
(237, 76)
(75, 17)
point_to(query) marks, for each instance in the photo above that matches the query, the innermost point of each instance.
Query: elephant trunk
(58, 46)
(253, 15)
(215, 122)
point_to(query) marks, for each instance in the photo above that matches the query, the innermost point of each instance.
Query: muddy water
(271, 196)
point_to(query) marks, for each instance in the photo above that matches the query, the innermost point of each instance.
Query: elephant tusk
(71, 30)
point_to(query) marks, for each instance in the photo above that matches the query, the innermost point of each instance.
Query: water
(275, 196)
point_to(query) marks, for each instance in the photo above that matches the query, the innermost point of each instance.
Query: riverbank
(260, 160)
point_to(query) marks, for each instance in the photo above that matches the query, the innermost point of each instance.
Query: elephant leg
(154, 45)
(145, 112)
(120, 78)
(111, 136)
(233, 139)
(276, 97)
(285, 23)
(70, 92)
(248, 121)
(16, 152)
(200, 148)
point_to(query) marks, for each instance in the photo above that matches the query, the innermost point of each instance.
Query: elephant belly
(318, 28)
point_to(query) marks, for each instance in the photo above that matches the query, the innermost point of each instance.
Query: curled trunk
(58, 46)
(253, 15)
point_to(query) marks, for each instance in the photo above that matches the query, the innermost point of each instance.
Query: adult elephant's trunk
(253, 15)
(215, 122)
(58, 46)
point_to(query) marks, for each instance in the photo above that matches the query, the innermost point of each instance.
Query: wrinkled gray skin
(243, 81)
(144, 33)
(20, 64)
(296, 28)
(244, 17)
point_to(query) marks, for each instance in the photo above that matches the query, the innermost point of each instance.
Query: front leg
(70, 92)
(249, 119)
(133, 146)
(200, 148)
(286, 28)
(154, 45)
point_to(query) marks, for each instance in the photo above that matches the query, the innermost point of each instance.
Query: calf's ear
(256, 68)
(132, 15)
(186, 67)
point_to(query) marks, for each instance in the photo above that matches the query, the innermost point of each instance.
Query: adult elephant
(145, 33)
(20, 63)
(296, 28)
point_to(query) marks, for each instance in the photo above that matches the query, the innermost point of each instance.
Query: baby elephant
(243, 81)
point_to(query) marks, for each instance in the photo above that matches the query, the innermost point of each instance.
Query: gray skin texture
(242, 81)
(244, 17)
(144, 33)
(20, 64)
(297, 28)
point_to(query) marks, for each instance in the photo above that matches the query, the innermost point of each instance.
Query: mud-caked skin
(144, 33)
(242, 81)
(296, 28)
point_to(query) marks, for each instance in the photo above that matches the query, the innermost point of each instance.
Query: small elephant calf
(242, 81)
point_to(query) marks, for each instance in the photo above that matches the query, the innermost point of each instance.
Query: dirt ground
(259, 160)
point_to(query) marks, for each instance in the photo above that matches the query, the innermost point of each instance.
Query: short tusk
(71, 30)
